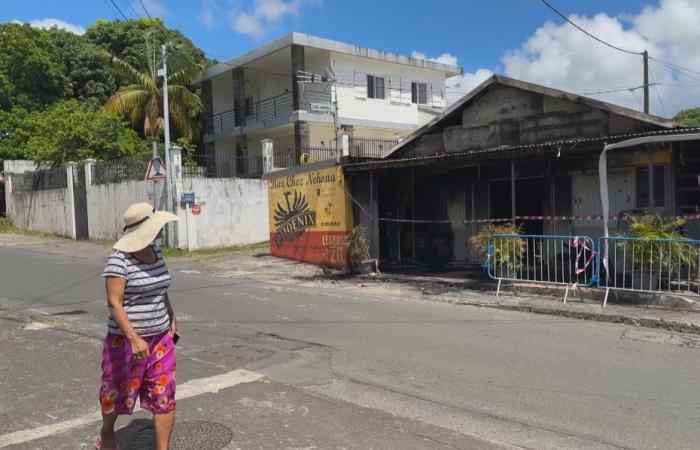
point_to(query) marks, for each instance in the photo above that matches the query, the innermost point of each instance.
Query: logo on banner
(293, 218)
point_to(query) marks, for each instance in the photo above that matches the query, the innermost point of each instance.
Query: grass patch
(176, 252)
(7, 227)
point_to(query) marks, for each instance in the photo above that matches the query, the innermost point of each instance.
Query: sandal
(98, 445)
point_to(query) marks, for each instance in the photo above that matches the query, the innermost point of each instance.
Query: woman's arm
(171, 314)
(115, 302)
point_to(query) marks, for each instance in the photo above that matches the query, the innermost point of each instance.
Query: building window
(248, 107)
(375, 87)
(419, 93)
(642, 186)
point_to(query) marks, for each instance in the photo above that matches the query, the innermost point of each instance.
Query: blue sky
(520, 38)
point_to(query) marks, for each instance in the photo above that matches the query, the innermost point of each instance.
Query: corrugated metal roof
(537, 88)
(473, 154)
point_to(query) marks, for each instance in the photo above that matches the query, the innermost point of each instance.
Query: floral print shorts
(125, 378)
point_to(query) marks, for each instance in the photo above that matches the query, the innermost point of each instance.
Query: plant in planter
(503, 252)
(658, 250)
(358, 251)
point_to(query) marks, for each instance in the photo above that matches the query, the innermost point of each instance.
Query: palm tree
(142, 101)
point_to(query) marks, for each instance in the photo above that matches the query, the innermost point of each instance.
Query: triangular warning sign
(156, 170)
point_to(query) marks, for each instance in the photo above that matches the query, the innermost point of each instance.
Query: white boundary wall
(48, 211)
(234, 211)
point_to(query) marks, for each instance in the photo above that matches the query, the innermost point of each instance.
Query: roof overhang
(310, 41)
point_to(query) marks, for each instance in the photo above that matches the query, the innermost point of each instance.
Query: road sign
(321, 107)
(187, 198)
(156, 170)
(196, 209)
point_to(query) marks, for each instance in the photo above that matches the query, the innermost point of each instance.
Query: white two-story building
(272, 92)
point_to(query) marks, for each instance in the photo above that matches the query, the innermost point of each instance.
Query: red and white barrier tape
(504, 220)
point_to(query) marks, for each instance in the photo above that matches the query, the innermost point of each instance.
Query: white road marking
(186, 390)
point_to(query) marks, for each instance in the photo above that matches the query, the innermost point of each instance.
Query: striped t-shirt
(144, 293)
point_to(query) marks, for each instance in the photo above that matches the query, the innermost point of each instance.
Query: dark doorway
(500, 197)
(530, 202)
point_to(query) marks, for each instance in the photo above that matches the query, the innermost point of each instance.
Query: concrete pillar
(238, 96)
(301, 139)
(89, 164)
(179, 231)
(345, 144)
(298, 63)
(268, 154)
(208, 107)
(241, 163)
(69, 200)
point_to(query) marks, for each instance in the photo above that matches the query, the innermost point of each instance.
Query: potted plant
(358, 251)
(657, 250)
(506, 253)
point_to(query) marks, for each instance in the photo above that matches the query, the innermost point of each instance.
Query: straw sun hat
(142, 223)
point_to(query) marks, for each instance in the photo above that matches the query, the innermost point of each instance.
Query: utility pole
(645, 54)
(166, 132)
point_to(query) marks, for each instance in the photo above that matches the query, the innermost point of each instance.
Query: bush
(506, 251)
(652, 253)
(358, 247)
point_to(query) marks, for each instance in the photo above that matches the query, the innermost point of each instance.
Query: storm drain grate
(192, 435)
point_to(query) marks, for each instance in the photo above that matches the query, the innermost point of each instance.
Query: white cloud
(561, 56)
(264, 16)
(457, 86)
(155, 7)
(445, 58)
(50, 22)
(209, 13)
(249, 24)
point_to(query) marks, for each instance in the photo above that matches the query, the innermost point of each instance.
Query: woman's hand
(139, 348)
(173, 326)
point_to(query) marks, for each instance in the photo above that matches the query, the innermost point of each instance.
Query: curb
(478, 285)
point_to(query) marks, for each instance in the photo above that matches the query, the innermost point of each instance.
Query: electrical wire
(671, 66)
(589, 34)
(119, 9)
(111, 8)
(656, 90)
(145, 10)
(130, 8)
(675, 65)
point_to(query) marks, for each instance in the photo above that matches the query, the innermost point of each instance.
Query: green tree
(90, 79)
(688, 117)
(30, 73)
(141, 102)
(138, 42)
(72, 131)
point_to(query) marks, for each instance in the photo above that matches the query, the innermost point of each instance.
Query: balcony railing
(265, 113)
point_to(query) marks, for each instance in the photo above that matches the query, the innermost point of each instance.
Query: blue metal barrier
(649, 265)
(544, 259)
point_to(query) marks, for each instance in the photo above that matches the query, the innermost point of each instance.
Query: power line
(589, 34)
(111, 7)
(675, 65)
(656, 90)
(671, 66)
(119, 9)
(130, 8)
(145, 10)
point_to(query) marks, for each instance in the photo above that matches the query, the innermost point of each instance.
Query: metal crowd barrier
(649, 265)
(544, 259)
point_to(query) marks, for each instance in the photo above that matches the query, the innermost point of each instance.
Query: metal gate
(80, 203)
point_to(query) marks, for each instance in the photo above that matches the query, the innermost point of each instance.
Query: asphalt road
(509, 378)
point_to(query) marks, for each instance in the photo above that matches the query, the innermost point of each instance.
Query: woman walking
(138, 356)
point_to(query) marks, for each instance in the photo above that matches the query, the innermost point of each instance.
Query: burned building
(512, 150)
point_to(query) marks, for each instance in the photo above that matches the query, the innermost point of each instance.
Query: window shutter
(406, 88)
(395, 89)
(379, 88)
(438, 94)
(360, 85)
